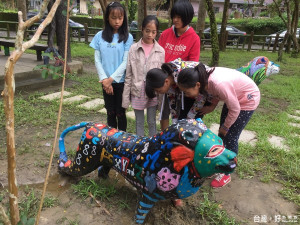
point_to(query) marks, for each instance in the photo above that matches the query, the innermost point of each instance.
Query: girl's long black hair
(156, 77)
(188, 77)
(108, 31)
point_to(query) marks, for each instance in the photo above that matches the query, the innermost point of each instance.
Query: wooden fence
(247, 42)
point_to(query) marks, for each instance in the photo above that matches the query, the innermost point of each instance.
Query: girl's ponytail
(189, 77)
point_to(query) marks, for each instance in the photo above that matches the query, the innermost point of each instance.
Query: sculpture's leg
(103, 171)
(146, 202)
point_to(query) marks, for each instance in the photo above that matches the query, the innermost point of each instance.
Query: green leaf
(55, 76)
(46, 54)
(44, 74)
(37, 67)
(64, 12)
(23, 220)
(30, 221)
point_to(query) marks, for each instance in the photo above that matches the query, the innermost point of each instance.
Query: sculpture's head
(204, 148)
(259, 69)
(212, 157)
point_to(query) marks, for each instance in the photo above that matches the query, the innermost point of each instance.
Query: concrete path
(25, 64)
(247, 137)
(24, 73)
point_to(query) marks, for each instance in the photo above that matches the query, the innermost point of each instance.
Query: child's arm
(196, 107)
(99, 66)
(226, 93)
(127, 85)
(118, 74)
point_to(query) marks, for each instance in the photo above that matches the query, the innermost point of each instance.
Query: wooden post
(250, 41)
(269, 44)
(86, 33)
(225, 41)
(79, 35)
(8, 31)
(275, 42)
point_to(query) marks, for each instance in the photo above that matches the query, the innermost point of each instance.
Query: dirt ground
(247, 200)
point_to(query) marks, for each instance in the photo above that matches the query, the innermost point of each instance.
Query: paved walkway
(247, 137)
(25, 64)
(26, 77)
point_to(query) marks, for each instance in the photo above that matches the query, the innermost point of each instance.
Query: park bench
(11, 43)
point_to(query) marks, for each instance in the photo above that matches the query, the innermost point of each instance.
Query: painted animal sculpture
(259, 69)
(170, 165)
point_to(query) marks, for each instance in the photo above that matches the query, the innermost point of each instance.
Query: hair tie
(110, 4)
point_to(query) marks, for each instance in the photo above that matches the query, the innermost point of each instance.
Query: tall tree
(213, 33)
(141, 12)
(21, 4)
(126, 7)
(103, 4)
(169, 12)
(291, 7)
(58, 28)
(201, 16)
(223, 26)
(8, 96)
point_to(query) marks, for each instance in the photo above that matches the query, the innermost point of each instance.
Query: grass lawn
(280, 96)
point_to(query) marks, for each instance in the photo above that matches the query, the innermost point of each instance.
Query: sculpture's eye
(215, 150)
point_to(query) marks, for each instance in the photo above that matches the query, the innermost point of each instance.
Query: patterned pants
(231, 140)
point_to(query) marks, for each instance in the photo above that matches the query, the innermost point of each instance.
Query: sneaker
(220, 181)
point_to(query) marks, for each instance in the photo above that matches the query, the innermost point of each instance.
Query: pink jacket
(137, 68)
(236, 90)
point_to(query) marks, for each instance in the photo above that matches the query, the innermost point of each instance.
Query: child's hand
(107, 82)
(207, 109)
(109, 90)
(223, 131)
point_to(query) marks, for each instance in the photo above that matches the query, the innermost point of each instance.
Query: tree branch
(279, 12)
(4, 217)
(42, 26)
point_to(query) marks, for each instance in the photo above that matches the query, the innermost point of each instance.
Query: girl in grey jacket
(144, 55)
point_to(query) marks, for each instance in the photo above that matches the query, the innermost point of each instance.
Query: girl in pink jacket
(239, 93)
(144, 55)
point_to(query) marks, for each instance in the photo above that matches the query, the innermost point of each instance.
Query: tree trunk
(58, 28)
(22, 7)
(223, 27)
(103, 4)
(291, 24)
(8, 94)
(213, 34)
(3, 217)
(126, 7)
(294, 27)
(145, 8)
(141, 13)
(169, 12)
(201, 16)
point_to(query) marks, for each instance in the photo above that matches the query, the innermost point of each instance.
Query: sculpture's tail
(66, 166)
